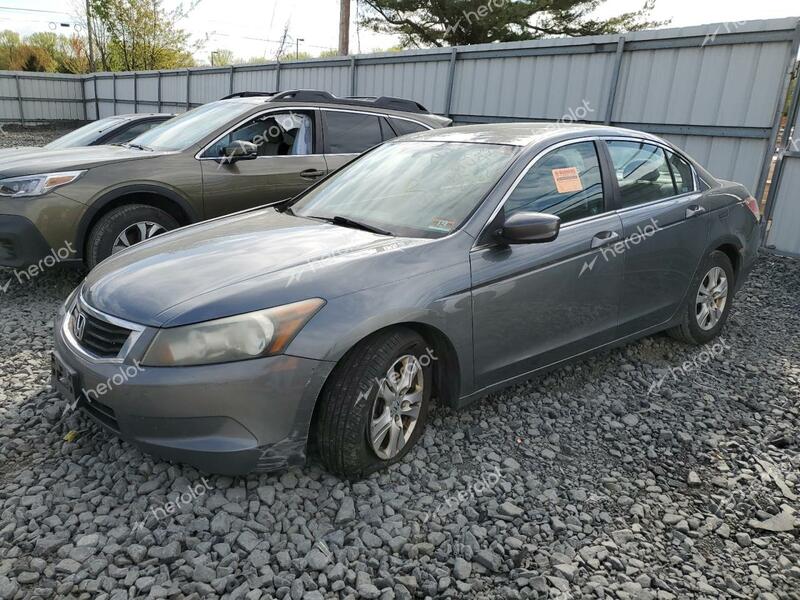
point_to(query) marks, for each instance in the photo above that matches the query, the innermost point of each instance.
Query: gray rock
(462, 569)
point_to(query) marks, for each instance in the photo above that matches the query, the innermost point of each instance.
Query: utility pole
(89, 34)
(297, 47)
(344, 28)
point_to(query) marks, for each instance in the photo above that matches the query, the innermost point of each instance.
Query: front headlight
(36, 185)
(251, 335)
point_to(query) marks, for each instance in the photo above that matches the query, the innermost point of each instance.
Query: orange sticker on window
(567, 180)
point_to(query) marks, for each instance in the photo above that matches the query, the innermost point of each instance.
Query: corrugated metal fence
(715, 90)
(782, 220)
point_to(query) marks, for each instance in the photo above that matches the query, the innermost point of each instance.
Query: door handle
(694, 210)
(604, 238)
(311, 173)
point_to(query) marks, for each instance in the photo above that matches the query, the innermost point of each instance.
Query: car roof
(261, 101)
(521, 133)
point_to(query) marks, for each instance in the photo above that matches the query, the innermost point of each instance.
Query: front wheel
(709, 302)
(375, 406)
(123, 227)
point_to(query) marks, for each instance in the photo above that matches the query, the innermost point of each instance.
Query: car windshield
(410, 188)
(191, 127)
(84, 136)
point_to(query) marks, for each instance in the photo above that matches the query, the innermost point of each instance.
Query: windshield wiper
(345, 222)
(137, 146)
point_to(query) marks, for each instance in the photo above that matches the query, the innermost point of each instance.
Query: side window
(566, 182)
(275, 134)
(403, 127)
(127, 134)
(682, 171)
(642, 172)
(350, 133)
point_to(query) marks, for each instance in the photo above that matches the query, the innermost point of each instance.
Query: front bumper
(21, 243)
(232, 419)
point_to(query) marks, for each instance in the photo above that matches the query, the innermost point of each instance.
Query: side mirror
(240, 150)
(530, 228)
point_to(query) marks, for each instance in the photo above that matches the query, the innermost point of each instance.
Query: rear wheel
(709, 301)
(375, 406)
(124, 227)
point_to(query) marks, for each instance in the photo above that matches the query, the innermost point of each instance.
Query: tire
(105, 232)
(690, 329)
(352, 397)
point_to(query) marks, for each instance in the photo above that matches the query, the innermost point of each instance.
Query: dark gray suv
(434, 268)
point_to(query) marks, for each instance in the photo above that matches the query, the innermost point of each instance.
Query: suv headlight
(36, 185)
(243, 337)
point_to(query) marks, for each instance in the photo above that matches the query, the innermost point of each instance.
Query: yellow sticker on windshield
(567, 180)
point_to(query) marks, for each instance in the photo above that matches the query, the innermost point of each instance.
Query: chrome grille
(99, 337)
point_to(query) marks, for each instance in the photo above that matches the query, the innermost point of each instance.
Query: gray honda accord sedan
(433, 269)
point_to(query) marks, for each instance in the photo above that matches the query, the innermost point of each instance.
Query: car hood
(16, 164)
(244, 262)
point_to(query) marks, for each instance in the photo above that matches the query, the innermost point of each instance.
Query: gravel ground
(13, 134)
(656, 470)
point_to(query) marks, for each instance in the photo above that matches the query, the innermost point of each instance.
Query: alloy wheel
(396, 407)
(138, 232)
(711, 299)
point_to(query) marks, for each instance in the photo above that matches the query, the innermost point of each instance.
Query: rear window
(684, 176)
(642, 171)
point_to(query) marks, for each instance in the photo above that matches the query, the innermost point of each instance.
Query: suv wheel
(375, 406)
(123, 227)
(709, 301)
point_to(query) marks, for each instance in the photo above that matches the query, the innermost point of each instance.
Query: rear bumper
(231, 419)
(21, 243)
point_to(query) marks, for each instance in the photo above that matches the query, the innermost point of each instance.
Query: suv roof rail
(247, 95)
(306, 96)
(388, 102)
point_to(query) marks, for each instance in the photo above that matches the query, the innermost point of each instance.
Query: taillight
(752, 204)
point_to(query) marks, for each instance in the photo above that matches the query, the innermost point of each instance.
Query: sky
(252, 28)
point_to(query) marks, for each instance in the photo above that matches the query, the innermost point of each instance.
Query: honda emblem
(80, 325)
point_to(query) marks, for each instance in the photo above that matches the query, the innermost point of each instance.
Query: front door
(537, 304)
(287, 163)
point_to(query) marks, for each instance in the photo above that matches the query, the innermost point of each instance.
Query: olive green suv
(246, 150)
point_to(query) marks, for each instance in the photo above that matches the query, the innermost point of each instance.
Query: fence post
(278, 76)
(352, 75)
(188, 89)
(614, 83)
(159, 92)
(230, 81)
(19, 99)
(83, 98)
(114, 93)
(96, 99)
(451, 75)
(135, 93)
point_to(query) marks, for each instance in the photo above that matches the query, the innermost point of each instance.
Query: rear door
(665, 231)
(537, 304)
(289, 160)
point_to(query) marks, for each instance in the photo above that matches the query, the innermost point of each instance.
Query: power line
(36, 10)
